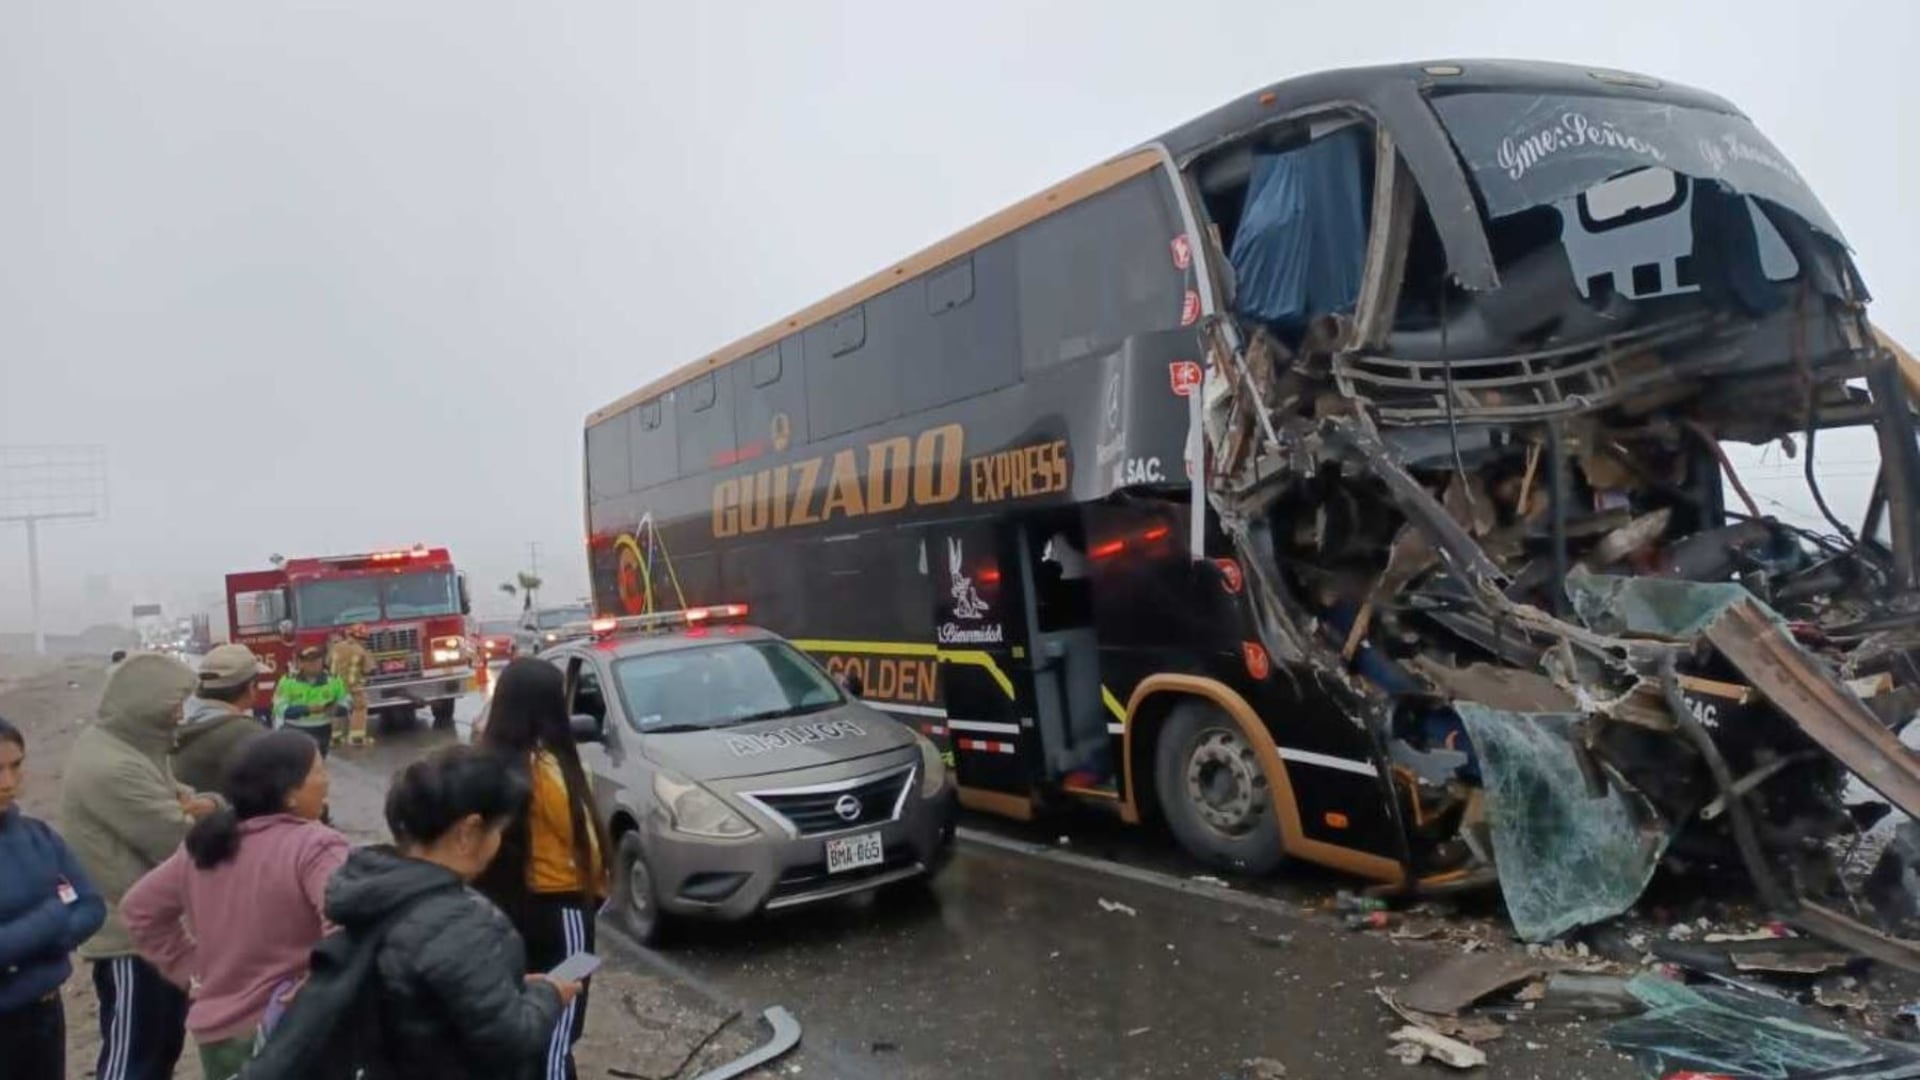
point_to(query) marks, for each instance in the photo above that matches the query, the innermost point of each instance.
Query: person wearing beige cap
(218, 717)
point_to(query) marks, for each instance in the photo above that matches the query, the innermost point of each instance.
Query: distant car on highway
(736, 776)
(495, 640)
(541, 627)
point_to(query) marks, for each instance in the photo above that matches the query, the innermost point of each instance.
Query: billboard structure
(39, 484)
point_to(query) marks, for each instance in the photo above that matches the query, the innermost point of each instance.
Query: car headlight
(698, 812)
(933, 767)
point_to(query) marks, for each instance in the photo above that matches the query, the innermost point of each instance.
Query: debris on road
(786, 1036)
(1113, 907)
(1263, 1068)
(1412, 1043)
(1473, 1030)
(1460, 982)
(1728, 1032)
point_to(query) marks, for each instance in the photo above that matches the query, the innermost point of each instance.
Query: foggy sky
(332, 276)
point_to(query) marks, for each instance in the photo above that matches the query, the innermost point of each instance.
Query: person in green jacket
(310, 699)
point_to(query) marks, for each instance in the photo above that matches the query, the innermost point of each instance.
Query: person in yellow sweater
(551, 874)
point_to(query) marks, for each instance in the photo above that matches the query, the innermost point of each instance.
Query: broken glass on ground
(1565, 859)
(1740, 1035)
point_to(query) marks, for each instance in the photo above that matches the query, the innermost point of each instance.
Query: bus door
(978, 631)
(1057, 595)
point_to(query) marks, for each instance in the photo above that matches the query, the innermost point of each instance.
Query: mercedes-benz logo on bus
(847, 807)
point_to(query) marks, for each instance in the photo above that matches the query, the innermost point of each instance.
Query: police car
(736, 776)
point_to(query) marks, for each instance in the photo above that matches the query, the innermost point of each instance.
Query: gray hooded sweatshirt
(119, 805)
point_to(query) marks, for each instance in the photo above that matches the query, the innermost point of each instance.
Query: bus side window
(653, 453)
(1098, 272)
(704, 409)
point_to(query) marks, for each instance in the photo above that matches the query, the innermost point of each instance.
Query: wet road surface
(1012, 967)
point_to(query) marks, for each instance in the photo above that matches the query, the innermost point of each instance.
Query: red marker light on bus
(1156, 533)
(1111, 547)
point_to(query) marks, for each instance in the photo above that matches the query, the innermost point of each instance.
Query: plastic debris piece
(786, 1036)
(1465, 979)
(1451, 1052)
(1263, 1068)
(1468, 1029)
(1115, 907)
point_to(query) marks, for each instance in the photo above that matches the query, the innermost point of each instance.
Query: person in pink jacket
(235, 912)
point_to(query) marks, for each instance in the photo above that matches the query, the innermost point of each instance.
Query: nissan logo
(847, 807)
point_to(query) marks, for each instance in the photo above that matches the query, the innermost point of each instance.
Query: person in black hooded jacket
(450, 971)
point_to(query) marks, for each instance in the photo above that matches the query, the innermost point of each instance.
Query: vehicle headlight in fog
(698, 812)
(447, 650)
(933, 767)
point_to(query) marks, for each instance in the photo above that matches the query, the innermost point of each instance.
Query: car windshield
(718, 685)
(555, 618)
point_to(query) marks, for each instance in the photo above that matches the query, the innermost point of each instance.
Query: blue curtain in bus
(1302, 238)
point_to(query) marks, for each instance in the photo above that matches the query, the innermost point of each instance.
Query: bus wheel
(1213, 793)
(635, 905)
(443, 715)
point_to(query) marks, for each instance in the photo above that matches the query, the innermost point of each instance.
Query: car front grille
(396, 652)
(816, 810)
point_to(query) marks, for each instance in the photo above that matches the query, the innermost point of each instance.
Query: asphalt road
(1012, 966)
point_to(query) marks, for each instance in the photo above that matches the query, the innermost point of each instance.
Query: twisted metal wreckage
(1491, 521)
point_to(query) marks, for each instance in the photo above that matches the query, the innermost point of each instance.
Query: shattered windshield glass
(1528, 150)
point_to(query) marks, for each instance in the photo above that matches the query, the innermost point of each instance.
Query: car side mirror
(588, 729)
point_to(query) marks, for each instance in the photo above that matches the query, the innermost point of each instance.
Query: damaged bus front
(1477, 335)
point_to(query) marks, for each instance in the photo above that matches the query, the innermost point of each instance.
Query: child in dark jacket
(47, 908)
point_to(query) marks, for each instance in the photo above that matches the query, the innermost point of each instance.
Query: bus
(1207, 484)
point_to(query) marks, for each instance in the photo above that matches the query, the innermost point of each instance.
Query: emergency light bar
(609, 626)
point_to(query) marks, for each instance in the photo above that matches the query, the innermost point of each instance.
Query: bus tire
(1213, 793)
(443, 715)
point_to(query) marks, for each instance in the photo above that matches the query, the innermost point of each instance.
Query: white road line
(1328, 761)
(1223, 894)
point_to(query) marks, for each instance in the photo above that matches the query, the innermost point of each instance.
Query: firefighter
(348, 660)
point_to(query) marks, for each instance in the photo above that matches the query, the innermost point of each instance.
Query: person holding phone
(451, 970)
(551, 875)
(47, 908)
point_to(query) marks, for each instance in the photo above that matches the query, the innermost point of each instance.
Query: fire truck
(411, 602)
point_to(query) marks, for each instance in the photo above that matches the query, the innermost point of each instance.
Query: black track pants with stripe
(557, 926)
(143, 1020)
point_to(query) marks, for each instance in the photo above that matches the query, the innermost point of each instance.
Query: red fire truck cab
(413, 604)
